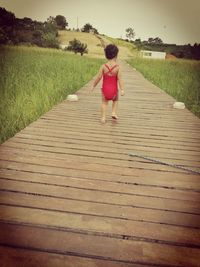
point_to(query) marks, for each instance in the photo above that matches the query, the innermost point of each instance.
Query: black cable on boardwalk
(164, 163)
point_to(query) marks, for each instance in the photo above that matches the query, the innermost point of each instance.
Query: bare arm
(121, 82)
(98, 78)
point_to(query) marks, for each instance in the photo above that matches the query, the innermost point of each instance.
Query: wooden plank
(187, 159)
(169, 152)
(100, 185)
(127, 136)
(95, 247)
(126, 131)
(76, 137)
(150, 131)
(110, 227)
(18, 257)
(86, 116)
(102, 197)
(99, 209)
(43, 154)
(119, 151)
(138, 177)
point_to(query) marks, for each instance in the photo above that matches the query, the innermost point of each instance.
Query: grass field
(179, 78)
(33, 80)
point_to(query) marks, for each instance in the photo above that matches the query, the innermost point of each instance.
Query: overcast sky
(174, 21)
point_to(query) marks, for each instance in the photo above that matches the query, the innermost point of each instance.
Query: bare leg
(114, 109)
(103, 110)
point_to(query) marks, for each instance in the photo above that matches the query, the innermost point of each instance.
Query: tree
(83, 49)
(37, 37)
(195, 50)
(87, 27)
(151, 40)
(158, 41)
(7, 23)
(155, 41)
(49, 40)
(95, 31)
(27, 21)
(78, 47)
(3, 37)
(50, 27)
(61, 22)
(6, 18)
(51, 20)
(130, 34)
(14, 30)
(138, 43)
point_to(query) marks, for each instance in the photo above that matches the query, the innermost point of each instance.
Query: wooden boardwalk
(71, 196)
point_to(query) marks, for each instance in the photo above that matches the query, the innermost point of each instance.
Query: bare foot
(103, 120)
(114, 116)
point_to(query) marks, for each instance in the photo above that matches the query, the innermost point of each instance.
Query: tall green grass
(179, 78)
(32, 80)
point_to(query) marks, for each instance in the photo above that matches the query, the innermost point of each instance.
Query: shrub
(49, 40)
(37, 37)
(78, 47)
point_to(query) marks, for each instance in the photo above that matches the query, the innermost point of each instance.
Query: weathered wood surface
(70, 195)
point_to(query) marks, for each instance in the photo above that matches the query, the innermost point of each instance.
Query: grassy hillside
(33, 80)
(179, 78)
(95, 48)
(126, 49)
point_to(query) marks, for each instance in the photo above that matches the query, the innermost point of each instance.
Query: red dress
(109, 88)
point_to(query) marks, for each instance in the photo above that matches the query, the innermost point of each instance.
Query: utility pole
(77, 24)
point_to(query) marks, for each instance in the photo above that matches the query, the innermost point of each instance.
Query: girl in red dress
(111, 74)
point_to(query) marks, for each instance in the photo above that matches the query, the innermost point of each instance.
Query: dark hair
(111, 51)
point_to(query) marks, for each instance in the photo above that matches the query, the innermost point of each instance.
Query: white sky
(174, 21)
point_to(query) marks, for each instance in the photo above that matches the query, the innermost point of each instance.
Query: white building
(153, 54)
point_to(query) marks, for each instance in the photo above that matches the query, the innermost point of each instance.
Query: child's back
(110, 81)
